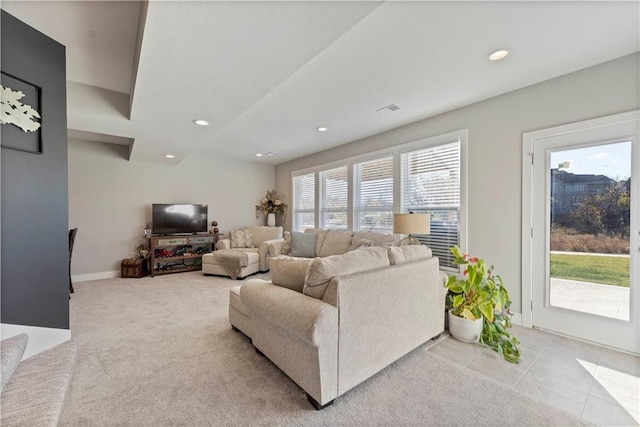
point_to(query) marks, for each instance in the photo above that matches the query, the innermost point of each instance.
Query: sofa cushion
(289, 272)
(400, 254)
(261, 233)
(241, 239)
(321, 236)
(11, 351)
(285, 249)
(378, 239)
(322, 270)
(336, 242)
(303, 244)
(362, 243)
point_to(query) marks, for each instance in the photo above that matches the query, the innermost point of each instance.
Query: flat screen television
(178, 219)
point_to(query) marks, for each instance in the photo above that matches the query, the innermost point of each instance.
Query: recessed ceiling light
(259, 154)
(498, 55)
(270, 153)
(201, 122)
(169, 156)
(322, 129)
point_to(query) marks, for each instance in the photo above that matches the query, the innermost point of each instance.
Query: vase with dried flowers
(272, 203)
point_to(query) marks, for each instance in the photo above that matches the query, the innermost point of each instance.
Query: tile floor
(595, 383)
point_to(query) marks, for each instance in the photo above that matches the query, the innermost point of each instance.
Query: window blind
(431, 184)
(334, 198)
(304, 197)
(373, 195)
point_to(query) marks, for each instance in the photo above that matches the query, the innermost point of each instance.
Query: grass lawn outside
(606, 270)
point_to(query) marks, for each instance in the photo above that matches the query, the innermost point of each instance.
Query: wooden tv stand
(179, 253)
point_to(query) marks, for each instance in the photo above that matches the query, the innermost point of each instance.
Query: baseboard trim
(95, 276)
(516, 319)
(40, 339)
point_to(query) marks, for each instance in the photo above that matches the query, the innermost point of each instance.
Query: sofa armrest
(263, 252)
(309, 319)
(275, 246)
(223, 244)
(444, 278)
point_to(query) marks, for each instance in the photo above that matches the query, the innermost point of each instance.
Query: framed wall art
(21, 115)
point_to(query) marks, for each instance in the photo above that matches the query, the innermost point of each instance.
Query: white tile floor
(595, 383)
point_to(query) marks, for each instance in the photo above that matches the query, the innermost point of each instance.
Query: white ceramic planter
(271, 220)
(465, 330)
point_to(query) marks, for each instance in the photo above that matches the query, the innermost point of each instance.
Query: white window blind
(304, 201)
(373, 195)
(431, 184)
(334, 198)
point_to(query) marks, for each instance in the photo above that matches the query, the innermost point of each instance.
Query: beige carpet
(160, 351)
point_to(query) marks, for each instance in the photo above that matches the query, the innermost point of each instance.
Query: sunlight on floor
(616, 386)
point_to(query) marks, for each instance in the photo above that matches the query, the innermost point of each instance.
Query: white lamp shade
(411, 224)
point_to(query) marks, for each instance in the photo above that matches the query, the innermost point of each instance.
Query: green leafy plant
(481, 293)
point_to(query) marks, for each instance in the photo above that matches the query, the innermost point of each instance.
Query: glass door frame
(535, 232)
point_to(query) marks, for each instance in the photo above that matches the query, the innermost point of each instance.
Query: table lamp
(411, 223)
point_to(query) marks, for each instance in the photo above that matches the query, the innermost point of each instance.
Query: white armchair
(263, 237)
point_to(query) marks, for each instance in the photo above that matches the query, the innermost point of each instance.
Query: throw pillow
(363, 243)
(378, 239)
(322, 270)
(241, 239)
(285, 249)
(289, 272)
(303, 244)
(400, 254)
(11, 351)
(321, 236)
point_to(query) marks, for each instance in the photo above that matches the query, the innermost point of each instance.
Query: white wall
(110, 199)
(494, 152)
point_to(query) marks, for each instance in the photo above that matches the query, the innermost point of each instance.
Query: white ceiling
(267, 74)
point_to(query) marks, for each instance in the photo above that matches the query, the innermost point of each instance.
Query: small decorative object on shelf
(141, 251)
(147, 231)
(269, 206)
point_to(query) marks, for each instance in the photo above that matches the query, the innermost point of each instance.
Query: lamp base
(409, 241)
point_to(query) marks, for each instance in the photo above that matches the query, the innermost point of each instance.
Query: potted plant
(479, 299)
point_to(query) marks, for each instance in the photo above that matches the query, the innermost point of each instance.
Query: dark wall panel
(35, 266)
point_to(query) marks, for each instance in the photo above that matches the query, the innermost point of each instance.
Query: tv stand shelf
(179, 253)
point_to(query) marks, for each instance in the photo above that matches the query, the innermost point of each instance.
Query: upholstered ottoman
(211, 266)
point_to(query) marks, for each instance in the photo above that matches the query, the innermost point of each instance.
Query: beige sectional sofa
(336, 242)
(330, 323)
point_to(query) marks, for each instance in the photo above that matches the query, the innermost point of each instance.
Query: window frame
(396, 152)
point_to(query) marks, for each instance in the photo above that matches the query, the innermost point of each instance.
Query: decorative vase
(465, 330)
(271, 219)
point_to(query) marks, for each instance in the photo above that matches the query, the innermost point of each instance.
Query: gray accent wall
(494, 160)
(34, 189)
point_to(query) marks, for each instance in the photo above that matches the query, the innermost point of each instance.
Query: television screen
(179, 219)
